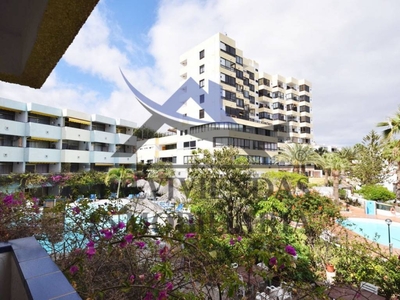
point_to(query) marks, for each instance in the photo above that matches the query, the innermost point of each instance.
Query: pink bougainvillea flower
(129, 238)
(158, 242)
(273, 261)
(132, 278)
(141, 277)
(121, 225)
(140, 244)
(76, 210)
(239, 239)
(162, 295)
(282, 266)
(107, 234)
(157, 276)
(163, 253)
(290, 250)
(147, 224)
(90, 244)
(169, 286)
(232, 242)
(123, 244)
(90, 252)
(149, 296)
(73, 269)
(190, 235)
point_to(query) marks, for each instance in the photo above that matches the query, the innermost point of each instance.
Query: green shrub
(376, 192)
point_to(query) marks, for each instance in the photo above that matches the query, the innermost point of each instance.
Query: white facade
(43, 139)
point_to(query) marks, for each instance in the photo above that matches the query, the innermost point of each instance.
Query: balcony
(102, 137)
(75, 156)
(125, 139)
(75, 134)
(42, 155)
(12, 127)
(11, 154)
(101, 158)
(44, 132)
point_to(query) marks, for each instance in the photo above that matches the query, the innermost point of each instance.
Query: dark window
(246, 81)
(304, 108)
(239, 74)
(264, 81)
(251, 86)
(304, 87)
(201, 69)
(228, 79)
(239, 60)
(252, 99)
(201, 54)
(201, 114)
(305, 119)
(189, 145)
(264, 93)
(304, 98)
(228, 95)
(7, 115)
(251, 75)
(202, 98)
(305, 130)
(228, 49)
(240, 102)
(201, 83)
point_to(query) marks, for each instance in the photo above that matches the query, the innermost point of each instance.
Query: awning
(74, 120)
(104, 164)
(9, 109)
(34, 138)
(42, 114)
(40, 162)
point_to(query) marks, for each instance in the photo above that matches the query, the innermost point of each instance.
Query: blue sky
(348, 50)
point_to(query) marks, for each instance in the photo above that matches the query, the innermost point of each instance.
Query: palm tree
(121, 174)
(298, 155)
(336, 164)
(392, 151)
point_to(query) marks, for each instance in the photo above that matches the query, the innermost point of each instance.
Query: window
(251, 86)
(189, 145)
(246, 94)
(228, 95)
(202, 98)
(227, 64)
(187, 159)
(264, 81)
(228, 49)
(201, 114)
(304, 108)
(304, 98)
(240, 102)
(305, 119)
(304, 87)
(246, 81)
(239, 60)
(201, 54)
(305, 130)
(252, 99)
(251, 75)
(228, 79)
(239, 74)
(201, 69)
(201, 83)
(264, 93)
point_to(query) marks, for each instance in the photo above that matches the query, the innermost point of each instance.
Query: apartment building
(44, 139)
(246, 108)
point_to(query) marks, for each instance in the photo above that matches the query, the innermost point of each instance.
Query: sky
(349, 50)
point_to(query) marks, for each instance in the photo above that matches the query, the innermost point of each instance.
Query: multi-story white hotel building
(246, 108)
(43, 139)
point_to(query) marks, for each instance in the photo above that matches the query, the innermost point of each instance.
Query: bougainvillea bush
(19, 216)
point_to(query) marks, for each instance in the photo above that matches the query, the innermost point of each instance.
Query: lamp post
(388, 222)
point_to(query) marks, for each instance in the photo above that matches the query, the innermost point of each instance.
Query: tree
(161, 172)
(392, 148)
(298, 155)
(121, 175)
(336, 164)
(370, 167)
(223, 181)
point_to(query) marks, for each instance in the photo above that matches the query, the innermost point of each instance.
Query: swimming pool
(370, 227)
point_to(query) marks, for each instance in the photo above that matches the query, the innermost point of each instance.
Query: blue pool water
(375, 230)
